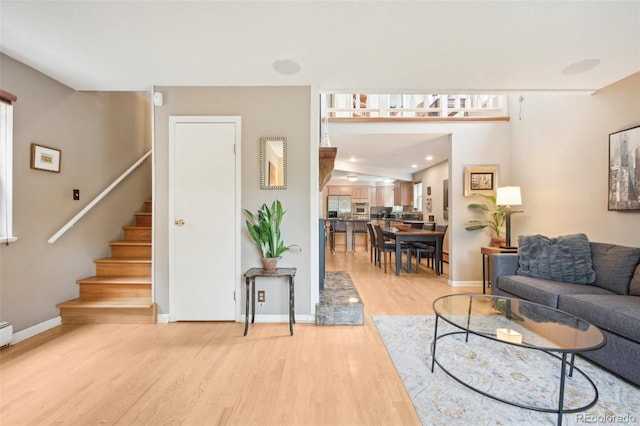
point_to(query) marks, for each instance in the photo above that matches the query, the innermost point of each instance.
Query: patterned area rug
(519, 375)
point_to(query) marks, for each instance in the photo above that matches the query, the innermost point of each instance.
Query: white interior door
(204, 206)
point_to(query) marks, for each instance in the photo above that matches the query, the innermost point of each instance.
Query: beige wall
(557, 153)
(559, 156)
(265, 111)
(100, 134)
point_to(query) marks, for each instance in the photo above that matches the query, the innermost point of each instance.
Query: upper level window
(6, 167)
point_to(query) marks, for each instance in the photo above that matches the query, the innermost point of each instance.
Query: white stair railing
(96, 200)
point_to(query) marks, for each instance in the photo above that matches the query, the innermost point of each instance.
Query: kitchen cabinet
(384, 196)
(339, 190)
(402, 193)
(360, 193)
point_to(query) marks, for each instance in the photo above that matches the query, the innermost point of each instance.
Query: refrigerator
(340, 204)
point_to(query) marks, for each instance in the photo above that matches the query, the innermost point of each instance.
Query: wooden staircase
(121, 290)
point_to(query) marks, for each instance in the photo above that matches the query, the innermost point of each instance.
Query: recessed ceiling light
(352, 159)
(352, 178)
(429, 158)
(581, 66)
(286, 66)
(413, 166)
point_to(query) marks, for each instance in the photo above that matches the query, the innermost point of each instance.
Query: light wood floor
(209, 374)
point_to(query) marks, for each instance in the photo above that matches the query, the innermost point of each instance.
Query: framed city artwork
(624, 170)
(480, 180)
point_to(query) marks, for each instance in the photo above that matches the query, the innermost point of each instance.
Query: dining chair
(430, 226)
(438, 228)
(385, 247)
(338, 227)
(428, 249)
(443, 229)
(424, 250)
(373, 245)
(359, 228)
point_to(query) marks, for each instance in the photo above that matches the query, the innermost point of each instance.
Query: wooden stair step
(137, 233)
(114, 267)
(116, 280)
(143, 219)
(131, 249)
(148, 206)
(99, 287)
(109, 311)
(130, 303)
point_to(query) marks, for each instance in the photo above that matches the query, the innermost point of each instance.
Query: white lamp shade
(509, 196)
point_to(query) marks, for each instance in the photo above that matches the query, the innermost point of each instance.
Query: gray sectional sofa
(602, 287)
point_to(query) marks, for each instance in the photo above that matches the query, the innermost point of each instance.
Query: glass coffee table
(523, 324)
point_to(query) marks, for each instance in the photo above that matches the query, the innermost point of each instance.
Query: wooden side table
(486, 252)
(250, 283)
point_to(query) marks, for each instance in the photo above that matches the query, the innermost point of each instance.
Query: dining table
(415, 235)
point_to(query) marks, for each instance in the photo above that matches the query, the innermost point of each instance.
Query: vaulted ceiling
(369, 46)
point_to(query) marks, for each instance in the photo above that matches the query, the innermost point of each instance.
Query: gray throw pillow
(614, 266)
(566, 258)
(634, 287)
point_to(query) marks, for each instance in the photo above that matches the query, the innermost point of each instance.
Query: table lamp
(508, 196)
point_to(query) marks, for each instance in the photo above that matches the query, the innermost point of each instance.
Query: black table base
(250, 285)
(563, 373)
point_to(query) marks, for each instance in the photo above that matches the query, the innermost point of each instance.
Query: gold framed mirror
(273, 163)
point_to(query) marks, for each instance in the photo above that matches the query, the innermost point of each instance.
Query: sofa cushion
(614, 313)
(614, 266)
(543, 291)
(634, 287)
(566, 258)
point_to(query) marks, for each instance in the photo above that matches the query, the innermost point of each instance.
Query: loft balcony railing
(373, 106)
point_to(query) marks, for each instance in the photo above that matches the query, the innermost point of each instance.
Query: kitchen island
(351, 229)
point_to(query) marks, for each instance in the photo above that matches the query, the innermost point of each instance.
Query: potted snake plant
(264, 229)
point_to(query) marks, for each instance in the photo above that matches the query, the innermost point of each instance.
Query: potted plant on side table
(495, 218)
(264, 228)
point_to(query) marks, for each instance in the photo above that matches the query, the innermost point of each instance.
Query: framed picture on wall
(45, 158)
(624, 170)
(480, 180)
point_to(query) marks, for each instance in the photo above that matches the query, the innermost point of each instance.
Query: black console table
(250, 280)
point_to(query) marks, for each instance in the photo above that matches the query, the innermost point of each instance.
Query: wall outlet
(76, 194)
(261, 296)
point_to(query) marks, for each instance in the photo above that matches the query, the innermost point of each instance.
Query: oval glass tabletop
(519, 322)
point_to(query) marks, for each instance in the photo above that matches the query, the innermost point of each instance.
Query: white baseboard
(465, 283)
(36, 329)
(164, 318)
(282, 318)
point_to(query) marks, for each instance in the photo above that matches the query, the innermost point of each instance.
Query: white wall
(559, 157)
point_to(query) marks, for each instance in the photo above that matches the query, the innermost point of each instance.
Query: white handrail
(96, 200)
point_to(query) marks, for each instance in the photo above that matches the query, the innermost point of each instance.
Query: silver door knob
(180, 222)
